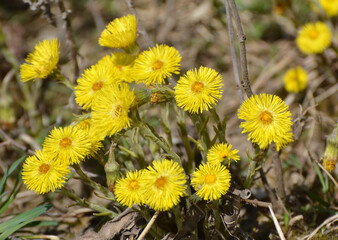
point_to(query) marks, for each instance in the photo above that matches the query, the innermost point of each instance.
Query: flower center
(97, 86)
(65, 142)
(313, 34)
(161, 182)
(223, 154)
(157, 65)
(44, 168)
(118, 110)
(133, 184)
(210, 178)
(197, 87)
(119, 67)
(266, 117)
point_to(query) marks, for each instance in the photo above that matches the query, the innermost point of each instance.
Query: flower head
(41, 62)
(69, 145)
(198, 90)
(94, 79)
(221, 152)
(314, 38)
(268, 119)
(42, 174)
(295, 79)
(211, 181)
(110, 109)
(123, 63)
(120, 33)
(156, 64)
(330, 7)
(163, 185)
(128, 190)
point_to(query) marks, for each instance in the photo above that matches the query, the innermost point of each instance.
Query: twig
(321, 166)
(233, 50)
(241, 37)
(140, 26)
(150, 223)
(67, 24)
(267, 205)
(11, 141)
(278, 171)
(330, 219)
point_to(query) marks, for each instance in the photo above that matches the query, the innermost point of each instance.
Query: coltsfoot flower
(41, 62)
(128, 190)
(110, 109)
(314, 38)
(267, 118)
(330, 7)
(120, 33)
(221, 152)
(69, 145)
(156, 64)
(42, 173)
(197, 91)
(163, 184)
(211, 181)
(94, 79)
(295, 79)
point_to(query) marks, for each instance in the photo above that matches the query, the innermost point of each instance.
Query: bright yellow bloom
(41, 62)
(94, 79)
(69, 145)
(110, 109)
(120, 33)
(198, 90)
(221, 152)
(163, 184)
(128, 190)
(268, 119)
(314, 38)
(42, 174)
(156, 64)
(123, 63)
(295, 79)
(211, 181)
(95, 139)
(330, 7)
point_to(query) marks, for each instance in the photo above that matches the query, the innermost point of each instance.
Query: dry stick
(140, 26)
(147, 228)
(11, 141)
(278, 171)
(321, 166)
(330, 219)
(242, 49)
(68, 27)
(267, 205)
(233, 50)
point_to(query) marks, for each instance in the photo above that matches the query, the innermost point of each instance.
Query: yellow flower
(268, 119)
(163, 184)
(220, 152)
(156, 64)
(198, 90)
(110, 109)
(69, 145)
(42, 174)
(94, 79)
(211, 181)
(314, 38)
(41, 62)
(123, 63)
(330, 7)
(95, 139)
(120, 33)
(128, 190)
(295, 79)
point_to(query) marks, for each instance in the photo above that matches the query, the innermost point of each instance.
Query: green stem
(221, 126)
